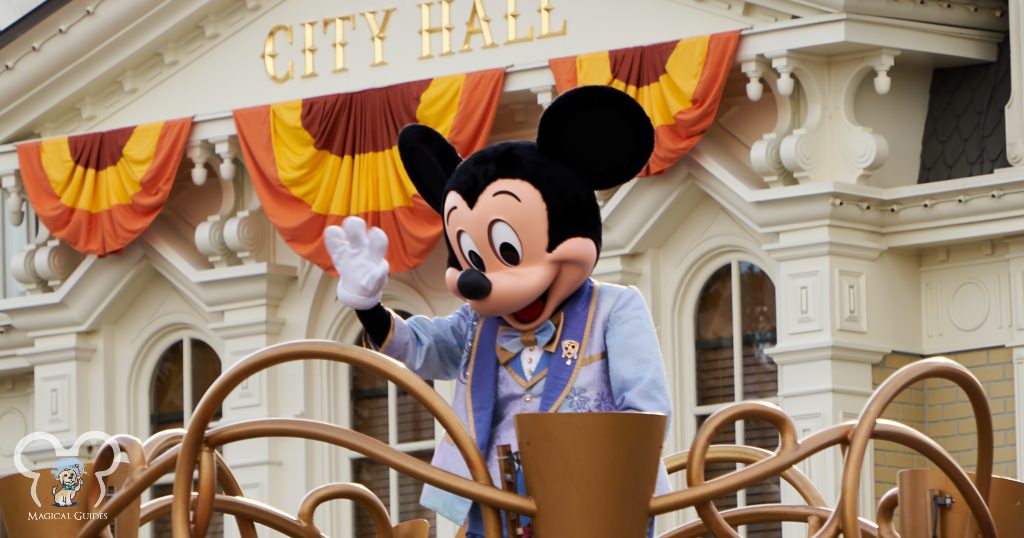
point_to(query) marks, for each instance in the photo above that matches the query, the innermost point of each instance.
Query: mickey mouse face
(522, 224)
(505, 268)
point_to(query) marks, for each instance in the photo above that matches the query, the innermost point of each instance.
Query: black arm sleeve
(377, 322)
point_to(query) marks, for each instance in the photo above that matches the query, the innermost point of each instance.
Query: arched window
(735, 323)
(387, 413)
(183, 373)
(181, 376)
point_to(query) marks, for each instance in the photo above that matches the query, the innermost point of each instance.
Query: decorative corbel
(54, 262)
(812, 151)
(237, 232)
(10, 181)
(209, 234)
(247, 234)
(765, 157)
(545, 94)
(200, 152)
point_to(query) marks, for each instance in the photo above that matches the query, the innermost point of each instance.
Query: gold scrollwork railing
(194, 450)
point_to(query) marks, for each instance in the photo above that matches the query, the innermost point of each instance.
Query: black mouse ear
(603, 134)
(429, 160)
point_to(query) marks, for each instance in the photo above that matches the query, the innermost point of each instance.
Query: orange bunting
(316, 161)
(678, 83)
(97, 192)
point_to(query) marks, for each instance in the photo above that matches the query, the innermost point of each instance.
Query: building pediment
(193, 58)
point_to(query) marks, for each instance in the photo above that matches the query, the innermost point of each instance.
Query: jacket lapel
(565, 359)
(483, 382)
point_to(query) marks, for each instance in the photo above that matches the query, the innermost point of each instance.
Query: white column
(257, 463)
(829, 336)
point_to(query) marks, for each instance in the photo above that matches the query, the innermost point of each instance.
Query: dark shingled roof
(964, 133)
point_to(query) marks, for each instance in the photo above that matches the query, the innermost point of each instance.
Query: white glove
(359, 259)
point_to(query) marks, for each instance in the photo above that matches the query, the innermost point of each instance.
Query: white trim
(1018, 407)
(153, 340)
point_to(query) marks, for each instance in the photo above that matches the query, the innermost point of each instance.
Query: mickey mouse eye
(470, 252)
(505, 243)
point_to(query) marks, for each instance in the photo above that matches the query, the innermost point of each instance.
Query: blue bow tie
(511, 341)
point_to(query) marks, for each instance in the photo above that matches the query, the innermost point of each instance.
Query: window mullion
(393, 496)
(186, 379)
(737, 333)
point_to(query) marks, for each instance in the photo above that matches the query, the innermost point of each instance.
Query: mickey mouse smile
(532, 311)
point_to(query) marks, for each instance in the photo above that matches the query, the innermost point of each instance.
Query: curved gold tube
(207, 490)
(763, 513)
(940, 367)
(373, 449)
(357, 493)
(748, 455)
(239, 507)
(703, 439)
(128, 519)
(162, 441)
(374, 362)
(885, 512)
(884, 429)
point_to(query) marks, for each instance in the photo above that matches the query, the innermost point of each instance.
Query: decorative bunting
(678, 83)
(316, 161)
(98, 192)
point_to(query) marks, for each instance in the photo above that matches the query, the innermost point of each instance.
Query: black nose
(474, 285)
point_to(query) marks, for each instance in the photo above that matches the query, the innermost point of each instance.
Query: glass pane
(415, 423)
(726, 436)
(763, 435)
(162, 525)
(714, 340)
(375, 477)
(409, 490)
(369, 404)
(760, 373)
(167, 392)
(205, 369)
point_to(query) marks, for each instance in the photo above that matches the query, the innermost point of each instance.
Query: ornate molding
(10, 182)
(830, 133)
(44, 265)
(238, 233)
(765, 157)
(38, 44)
(217, 23)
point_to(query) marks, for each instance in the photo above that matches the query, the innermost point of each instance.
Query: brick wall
(908, 408)
(940, 410)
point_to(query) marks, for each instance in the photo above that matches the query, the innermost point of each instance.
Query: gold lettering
(445, 29)
(377, 34)
(478, 15)
(339, 39)
(512, 16)
(545, 21)
(270, 53)
(309, 50)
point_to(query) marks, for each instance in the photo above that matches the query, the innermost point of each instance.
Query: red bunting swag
(316, 161)
(98, 192)
(678, 83)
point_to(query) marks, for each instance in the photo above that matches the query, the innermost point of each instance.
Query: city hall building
(839, 191)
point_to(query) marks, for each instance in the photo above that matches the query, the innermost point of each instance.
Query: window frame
(158, 344)
(694, 276)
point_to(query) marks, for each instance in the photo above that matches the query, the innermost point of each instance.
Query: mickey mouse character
(523, 230)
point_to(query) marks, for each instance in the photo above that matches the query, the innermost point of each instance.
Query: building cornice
(917, 215)
(129, 46)
(840, 34)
